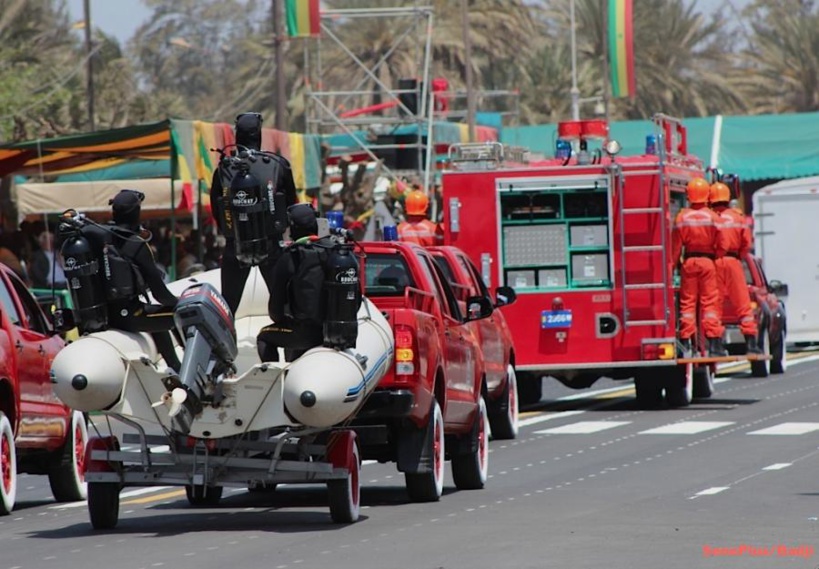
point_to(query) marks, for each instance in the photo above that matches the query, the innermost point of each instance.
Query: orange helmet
(720, 193)
(697, 191)
(416, 203)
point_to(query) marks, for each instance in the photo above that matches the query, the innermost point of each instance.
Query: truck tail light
(659, 350)
(405, 350)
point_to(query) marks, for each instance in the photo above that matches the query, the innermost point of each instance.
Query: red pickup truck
(38, 434)
(428, 408)
(494, 335)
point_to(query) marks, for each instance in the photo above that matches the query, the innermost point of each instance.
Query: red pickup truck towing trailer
(585, 241)
(428, 407)
(38, 434)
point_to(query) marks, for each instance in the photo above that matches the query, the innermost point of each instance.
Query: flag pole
(575, 92)
(606, 63)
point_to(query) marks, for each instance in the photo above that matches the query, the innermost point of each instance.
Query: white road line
(788, 429)
(687, 428)
(123, 495)
(549, 417)
(712, 491)
(778, 466)
(583, 427)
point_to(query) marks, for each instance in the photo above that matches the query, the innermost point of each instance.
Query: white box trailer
(785, 225)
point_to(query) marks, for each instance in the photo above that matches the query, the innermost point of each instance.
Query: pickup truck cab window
(8, 304)
(33, 315)
(386, 275)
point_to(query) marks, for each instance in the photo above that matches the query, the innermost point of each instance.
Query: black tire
(469, 471)
(345, 495)
(648, 390)
(8, 467)
(779, 362)
(504, 420)
(103, 504)
(428, 486)
(200, 495)
(703, 382)
(679, 385)
(530, 387)
(66, 474)
(761, 368)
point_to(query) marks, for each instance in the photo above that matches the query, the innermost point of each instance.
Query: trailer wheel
(201, 495)
(345, 495)
(103, 504)
(8, 467)
(779, 360)
(469, 471)
(67, 473)
(530, 387)
(703, 382)
(761, 368)
(679, 387)
(648, 390)
(504, 421)
(428, 486)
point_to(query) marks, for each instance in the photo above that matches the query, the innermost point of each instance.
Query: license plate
(556, 319)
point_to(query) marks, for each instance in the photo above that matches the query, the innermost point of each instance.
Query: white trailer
(785, 216)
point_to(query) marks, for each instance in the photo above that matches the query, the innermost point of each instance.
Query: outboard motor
(250, 210)
(343, 293)
(85, 278)
(205, 321)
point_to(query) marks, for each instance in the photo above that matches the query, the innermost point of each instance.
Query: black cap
(249, 130)
(303, 220)
(126, 206)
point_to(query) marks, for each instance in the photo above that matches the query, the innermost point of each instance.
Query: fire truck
(585, 240)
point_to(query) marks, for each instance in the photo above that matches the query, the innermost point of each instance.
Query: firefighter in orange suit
(696, 240)
(417, 228)
(730, 274)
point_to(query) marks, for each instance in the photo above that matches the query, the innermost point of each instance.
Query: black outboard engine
(85, 278)
(251, 212)
(203, 318)
(342, 290)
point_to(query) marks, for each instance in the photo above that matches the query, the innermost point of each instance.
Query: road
(591, 482)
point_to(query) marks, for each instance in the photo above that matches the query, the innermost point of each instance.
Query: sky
(121, 18)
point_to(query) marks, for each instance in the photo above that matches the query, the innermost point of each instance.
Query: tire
(428, 486)
(530, 388)
(345, 495)
(703, 382)
(648, 390)
(200, 495)
(504, 422)
(679, 388)
(761, 368)
(67, 473)
(8, 467)
(469, 471)
(103, 504)
(779, 359)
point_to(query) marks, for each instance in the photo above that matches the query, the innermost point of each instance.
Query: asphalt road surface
(591, 482)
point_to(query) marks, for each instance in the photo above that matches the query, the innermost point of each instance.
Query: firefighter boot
(716, 347)
(751, 346)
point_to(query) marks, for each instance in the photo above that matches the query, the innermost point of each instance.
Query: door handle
(19, 345)
(41, 349)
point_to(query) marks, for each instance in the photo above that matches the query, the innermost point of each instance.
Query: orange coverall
(730, 274)
(695, 233)
(420, 230)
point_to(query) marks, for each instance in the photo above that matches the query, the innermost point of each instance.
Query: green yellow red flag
(302, 18)
(621, 48)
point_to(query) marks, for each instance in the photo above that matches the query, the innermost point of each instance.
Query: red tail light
(406, 351)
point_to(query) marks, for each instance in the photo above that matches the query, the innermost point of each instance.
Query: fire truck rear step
(644, 286)
(643, 210)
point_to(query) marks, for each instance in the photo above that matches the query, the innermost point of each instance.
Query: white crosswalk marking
(582, 428)
(788, 429)
(687, 428)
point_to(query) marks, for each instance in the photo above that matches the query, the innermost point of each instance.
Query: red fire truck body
(587, 248)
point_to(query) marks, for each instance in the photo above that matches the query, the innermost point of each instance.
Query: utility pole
(575, 92)
(470, 92)
(606, 68)
(89, 64)
(279, 88)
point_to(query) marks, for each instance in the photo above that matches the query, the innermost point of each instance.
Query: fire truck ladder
(657, 213)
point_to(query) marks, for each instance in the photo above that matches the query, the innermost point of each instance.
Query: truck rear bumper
(387, 403)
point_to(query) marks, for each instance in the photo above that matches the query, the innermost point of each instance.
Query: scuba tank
(342, 290)
(86, 282)
(250, 211)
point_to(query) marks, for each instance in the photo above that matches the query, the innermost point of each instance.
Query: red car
(38, 434)
(494, 335)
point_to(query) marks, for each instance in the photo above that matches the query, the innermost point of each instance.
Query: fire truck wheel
(679, 387)
(530, 387)
(428, 486)
(761, 368)
(703, 382)
(67, 471)
(649, 391)
(8, 466)
(503, 414)
(469, 471)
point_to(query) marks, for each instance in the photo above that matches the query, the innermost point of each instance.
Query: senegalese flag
(621, 48)
(302, 18)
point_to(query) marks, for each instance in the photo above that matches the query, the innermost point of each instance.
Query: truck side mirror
(505, 295)
(477, 308)
(778, 288)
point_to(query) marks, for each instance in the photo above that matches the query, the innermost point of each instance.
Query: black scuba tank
(343, 293)
(86, 282)
(250, 211)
